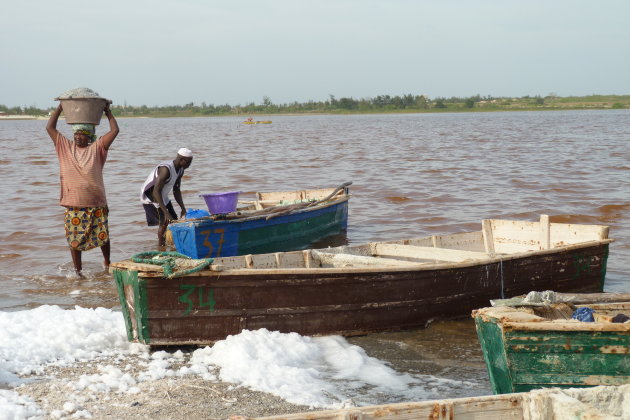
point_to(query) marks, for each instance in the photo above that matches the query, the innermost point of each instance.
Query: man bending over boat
(163, 179)
(82, 188)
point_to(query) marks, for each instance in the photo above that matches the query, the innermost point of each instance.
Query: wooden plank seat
(341, 260)
(425, 252)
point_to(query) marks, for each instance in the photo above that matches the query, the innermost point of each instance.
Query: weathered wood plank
(130, 265)
(340, 260)
(565, 326)
(488, 236)
(545, 238)
(568, 233)
(520, 236)
(582, 298)
(466, 241)
(496, 407)
(314, 194)
(427, 253)
(150, 268)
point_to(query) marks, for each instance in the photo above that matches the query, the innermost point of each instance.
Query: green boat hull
(519, 360)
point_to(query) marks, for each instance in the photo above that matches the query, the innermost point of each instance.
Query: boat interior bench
(272, 199)
(392, 254)
(425, 252)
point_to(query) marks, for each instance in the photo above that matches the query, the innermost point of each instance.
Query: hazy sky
(175, 52)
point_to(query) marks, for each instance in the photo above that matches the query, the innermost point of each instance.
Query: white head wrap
(184, 152)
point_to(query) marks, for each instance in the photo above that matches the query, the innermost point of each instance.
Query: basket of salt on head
(82, 106)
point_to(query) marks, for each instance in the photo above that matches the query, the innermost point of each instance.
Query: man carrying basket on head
(163, 179)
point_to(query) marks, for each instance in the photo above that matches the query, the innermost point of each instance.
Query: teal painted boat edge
(294, 235)
(136, 323)
(490, 336)
(574, 358)
(120, 277)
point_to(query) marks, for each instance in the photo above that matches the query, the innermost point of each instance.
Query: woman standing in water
(82, 188)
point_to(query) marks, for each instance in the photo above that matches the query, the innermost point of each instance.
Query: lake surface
(413, 175)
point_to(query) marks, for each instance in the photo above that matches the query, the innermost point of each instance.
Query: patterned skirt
(86, 227)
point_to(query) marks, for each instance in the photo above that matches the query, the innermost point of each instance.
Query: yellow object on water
(256, 122)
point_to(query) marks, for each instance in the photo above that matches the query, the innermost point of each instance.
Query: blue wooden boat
(275, 221)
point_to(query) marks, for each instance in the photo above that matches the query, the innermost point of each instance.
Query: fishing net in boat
(174, 264)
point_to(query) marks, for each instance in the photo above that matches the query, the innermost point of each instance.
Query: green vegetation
(381, 104)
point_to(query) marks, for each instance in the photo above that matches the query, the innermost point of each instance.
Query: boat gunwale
(506, 317)
(504, 406)
(201, 221)
(566, 325)
(491, 259)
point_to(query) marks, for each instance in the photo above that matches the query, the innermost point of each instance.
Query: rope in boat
(168, 261)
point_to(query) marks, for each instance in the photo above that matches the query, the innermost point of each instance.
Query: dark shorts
(155, 215)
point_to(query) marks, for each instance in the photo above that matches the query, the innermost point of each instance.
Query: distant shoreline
(297, 114)
(478, 107)
(384, 104)
(23, 117)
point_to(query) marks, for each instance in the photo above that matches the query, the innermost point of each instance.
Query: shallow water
(413, 175)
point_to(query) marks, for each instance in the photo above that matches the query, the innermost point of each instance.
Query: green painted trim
(491, 340)
(142, 310)
(119, 278)
(140, 303)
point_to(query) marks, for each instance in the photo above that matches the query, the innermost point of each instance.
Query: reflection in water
(333, 240)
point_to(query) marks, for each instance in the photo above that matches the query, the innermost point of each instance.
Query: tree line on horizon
(380, 103)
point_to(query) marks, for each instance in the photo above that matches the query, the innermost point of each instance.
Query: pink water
(413, 175)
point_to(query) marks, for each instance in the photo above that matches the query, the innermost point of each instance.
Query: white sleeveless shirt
(168, 186)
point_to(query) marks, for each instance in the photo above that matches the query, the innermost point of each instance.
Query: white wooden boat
(599, 403)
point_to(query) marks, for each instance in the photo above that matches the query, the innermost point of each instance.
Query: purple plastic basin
(220, 203)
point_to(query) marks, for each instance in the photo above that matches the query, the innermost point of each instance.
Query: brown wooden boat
(353, 290)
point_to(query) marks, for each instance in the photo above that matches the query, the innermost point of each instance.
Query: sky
(158, 53)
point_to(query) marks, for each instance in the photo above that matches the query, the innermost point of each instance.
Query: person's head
(83, 134)
(184, 158)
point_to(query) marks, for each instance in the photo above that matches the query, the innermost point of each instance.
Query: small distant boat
(358, 289)
(533, 345)
(275, 221)
(257, 122)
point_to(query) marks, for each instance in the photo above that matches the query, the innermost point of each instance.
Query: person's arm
(51, 127)
(162, 178)
(177, 193)
(108, 138)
